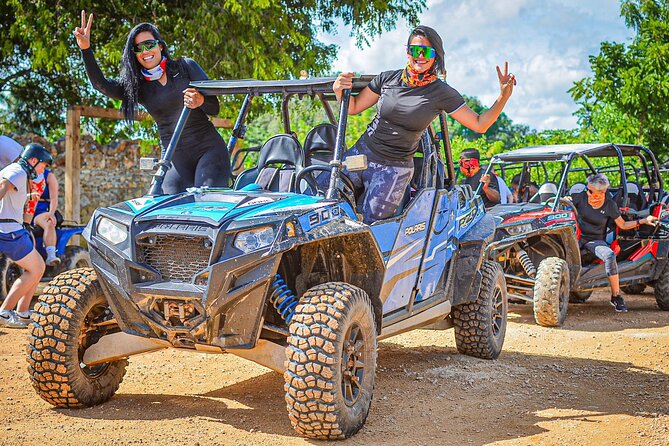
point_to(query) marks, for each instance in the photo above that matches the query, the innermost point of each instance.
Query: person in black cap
(408, 100)
(16, 242)
(470, 166)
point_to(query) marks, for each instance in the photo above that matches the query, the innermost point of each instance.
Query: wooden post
(73, 151)
(72, 165)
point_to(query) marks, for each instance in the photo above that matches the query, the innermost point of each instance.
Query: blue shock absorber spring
(283, 298)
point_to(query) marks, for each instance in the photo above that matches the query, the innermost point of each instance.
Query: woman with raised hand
(408, 101)
(151, 78)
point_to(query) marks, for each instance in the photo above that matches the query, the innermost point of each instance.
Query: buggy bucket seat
(280, 160)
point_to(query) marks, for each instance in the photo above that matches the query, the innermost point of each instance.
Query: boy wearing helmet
(15, 241)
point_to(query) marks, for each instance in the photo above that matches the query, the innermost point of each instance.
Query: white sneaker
(52, 261)
(24, 320)
(11, 321)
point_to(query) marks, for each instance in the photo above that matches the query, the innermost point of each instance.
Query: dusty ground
(602, 379)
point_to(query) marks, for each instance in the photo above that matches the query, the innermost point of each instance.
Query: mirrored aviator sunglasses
(427, 51)
(146, 45)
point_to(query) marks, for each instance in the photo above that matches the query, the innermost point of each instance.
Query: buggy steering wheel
(308, 175)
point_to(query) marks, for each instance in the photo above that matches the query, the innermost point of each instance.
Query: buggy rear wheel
(71, 315)
(331, 361)
(480, 326)
(662, 288)
(551, 292)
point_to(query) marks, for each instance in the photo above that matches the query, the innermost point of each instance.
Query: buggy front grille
(177, 257)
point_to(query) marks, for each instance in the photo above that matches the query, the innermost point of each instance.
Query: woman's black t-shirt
(593, 221)
(403, 113)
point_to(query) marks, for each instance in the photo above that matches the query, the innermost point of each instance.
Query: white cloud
(547, 44)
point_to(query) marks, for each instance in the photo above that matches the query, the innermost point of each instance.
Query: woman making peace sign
(407, 101)
(151, 78)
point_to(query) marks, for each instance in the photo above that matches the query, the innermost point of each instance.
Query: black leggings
(210, 167)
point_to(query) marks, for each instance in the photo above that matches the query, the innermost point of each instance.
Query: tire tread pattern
(547, 289)
(662, 288)
(52, 350)
(311, 378)
(473, 321)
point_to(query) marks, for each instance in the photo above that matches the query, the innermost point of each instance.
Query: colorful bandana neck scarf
(412, 79)
(156, 72)
(469, 166)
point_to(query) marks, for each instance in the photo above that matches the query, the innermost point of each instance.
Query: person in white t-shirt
(16, 243)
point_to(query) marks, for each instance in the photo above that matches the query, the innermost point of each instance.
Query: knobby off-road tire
(62, 327)
(76, 257)
(331, 361)
(480, 326)
(662, 289)
(578, 297)
(636, 288)
(551, 292)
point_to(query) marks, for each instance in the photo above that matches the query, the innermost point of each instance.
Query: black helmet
(34, 150)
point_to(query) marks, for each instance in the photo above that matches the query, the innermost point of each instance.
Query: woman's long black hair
(131, 72)
(435, 41)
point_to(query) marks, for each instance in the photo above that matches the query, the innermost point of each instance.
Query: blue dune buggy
(275, 270)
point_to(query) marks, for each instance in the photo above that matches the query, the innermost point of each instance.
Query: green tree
(41, 71)
(502, 130)
(627, 97)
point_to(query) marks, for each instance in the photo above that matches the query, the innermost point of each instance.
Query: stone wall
(109, 173)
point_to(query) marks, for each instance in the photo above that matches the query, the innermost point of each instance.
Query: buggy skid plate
(120, 345)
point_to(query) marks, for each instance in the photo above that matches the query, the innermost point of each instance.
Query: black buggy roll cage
(320, 87)
(250, 88)
(567, 153)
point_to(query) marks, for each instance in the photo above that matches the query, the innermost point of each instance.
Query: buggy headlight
(254, 239)
(112, 231)
(519, 229)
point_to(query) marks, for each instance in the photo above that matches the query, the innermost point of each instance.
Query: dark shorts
(16, 245)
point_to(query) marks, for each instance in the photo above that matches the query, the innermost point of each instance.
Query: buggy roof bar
(562, 152)
(253, 87)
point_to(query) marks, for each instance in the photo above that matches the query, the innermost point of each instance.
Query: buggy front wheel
(331, 356)
(551, 292)
(71, 315)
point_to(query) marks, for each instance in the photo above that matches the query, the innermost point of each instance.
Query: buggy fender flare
(562, 237)
(468, 260)
(354, 250)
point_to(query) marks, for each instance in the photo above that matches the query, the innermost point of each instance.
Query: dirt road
(602, 379)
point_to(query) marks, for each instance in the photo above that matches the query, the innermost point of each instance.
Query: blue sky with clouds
(547, 44)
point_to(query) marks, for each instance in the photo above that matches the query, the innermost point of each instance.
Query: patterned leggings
(384, 185)
(602, 250)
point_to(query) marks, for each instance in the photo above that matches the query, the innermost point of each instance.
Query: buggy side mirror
(148, 163)
(355, 163)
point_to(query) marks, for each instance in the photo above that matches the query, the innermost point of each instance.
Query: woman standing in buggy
(408, 100)
(151, 78)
